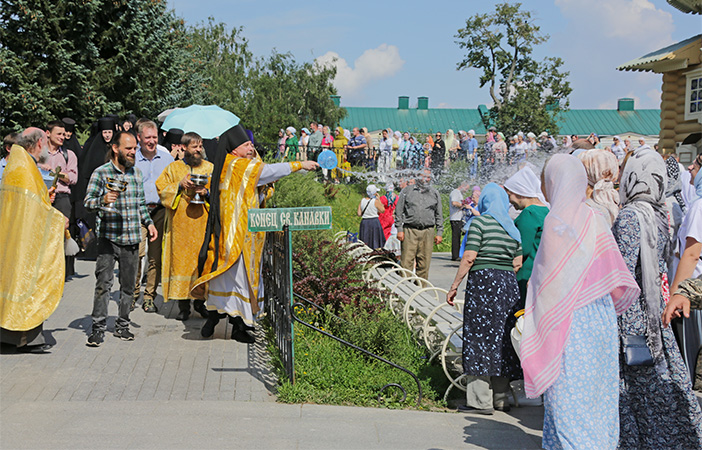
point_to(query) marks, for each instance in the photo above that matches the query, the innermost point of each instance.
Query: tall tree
(87, 58)
(269, 92)
(527, 94)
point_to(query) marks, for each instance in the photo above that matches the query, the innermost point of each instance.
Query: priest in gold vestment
(31, 247)
(230, 258)
(185, 224)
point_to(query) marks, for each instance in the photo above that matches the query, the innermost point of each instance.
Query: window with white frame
(693, 96)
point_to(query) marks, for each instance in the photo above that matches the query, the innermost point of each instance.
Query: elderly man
(31, 246)
(119, 234)
(151, 161)
(185, 224)
(230, 258)
(418, 212)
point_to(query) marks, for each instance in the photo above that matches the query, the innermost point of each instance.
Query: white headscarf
(371, 190)
(525, 183)
(291, 130)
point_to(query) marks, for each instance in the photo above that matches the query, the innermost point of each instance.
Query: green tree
(268, 93)
(527, 94)
(87, 58)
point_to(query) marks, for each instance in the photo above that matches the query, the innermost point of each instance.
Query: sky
(386, 49)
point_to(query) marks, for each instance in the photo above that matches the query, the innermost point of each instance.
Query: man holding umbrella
(230, 257)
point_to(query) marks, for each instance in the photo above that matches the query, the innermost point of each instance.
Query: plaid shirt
(122, 228)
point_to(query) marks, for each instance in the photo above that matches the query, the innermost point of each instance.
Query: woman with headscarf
(387, 218)
(569, 349)
(291, 144)
(500, 148)
(339, 146)
(688, 264)
(281, 144)
(403, 151)
(656, 397)
(304, 140)
(370, 230)
(452, 145)
(602, 169)
(396, 143)
(493, 254)
(438, 155)
(673, 196)
(524, 191)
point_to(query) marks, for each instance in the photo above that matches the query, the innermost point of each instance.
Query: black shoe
(41, 348)
(201, 309)
(183, 316)
(470, 409)
(243, 336)
(239, 324)
(96, 338)
(209, 326)
(124, 334)
(149, 306)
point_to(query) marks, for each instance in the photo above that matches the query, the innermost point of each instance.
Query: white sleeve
(273, 172)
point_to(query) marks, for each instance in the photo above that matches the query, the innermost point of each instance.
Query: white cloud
(374, 64)
(444, 105)
(635, 21)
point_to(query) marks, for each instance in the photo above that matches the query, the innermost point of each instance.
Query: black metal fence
(277, 287)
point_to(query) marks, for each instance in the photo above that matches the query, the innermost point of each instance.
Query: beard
(44, 155)
(193, 159)
(126, 162)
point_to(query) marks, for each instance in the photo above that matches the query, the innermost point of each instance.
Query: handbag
(636, 352)
(516, 333)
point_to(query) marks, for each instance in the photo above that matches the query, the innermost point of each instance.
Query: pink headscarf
(578, 262)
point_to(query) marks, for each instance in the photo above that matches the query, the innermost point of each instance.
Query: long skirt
(371, 232)
(492, 298)
(651, 404)
(580, 408)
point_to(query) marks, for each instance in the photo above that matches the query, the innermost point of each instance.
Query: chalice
(198, 180)
(115, 185)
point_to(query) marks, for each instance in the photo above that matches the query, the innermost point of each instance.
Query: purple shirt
(69, 166)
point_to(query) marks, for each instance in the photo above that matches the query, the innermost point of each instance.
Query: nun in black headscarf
(95, 154)
(228, 269)
(71, 142)
(129, 124)
(173, 144)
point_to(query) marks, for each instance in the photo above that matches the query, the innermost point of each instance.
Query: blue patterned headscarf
(494, 202)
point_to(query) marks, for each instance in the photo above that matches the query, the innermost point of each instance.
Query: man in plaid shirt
(118, 234)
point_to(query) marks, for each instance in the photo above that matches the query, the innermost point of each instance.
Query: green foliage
(88, 58)
(527, 94)
(269, 92)
(298, 190)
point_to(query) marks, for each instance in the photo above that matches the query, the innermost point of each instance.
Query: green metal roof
(414, 120)
(644, 62)
(687, 6)
(574, 121)
(610, 121)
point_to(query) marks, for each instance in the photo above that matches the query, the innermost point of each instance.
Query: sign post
(288, 219)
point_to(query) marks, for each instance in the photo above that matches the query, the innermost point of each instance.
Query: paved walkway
(170, 388)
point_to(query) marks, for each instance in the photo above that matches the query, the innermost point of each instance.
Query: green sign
(273, 219)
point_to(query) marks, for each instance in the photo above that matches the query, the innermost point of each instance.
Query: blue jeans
(127, 256)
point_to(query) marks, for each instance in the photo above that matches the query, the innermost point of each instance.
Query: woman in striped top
(492, 255)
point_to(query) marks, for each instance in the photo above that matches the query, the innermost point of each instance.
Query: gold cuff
(295, 166)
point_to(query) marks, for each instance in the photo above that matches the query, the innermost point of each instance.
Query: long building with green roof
(422, 119)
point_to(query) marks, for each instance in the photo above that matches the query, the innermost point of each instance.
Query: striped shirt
(124, 227)
(496, 249)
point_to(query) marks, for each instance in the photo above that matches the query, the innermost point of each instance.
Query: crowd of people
(396, 150)
(600, 254)
(600, 250)
(126, 198)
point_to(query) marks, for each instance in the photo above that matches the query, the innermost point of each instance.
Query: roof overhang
(687, 6)
(674, 57)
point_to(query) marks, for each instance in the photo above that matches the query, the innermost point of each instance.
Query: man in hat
(151, 161)
(230, 257)
(185, 224)
(31, 246)
(66, 160)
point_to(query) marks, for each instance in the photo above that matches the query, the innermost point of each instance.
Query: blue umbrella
(208, 121)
